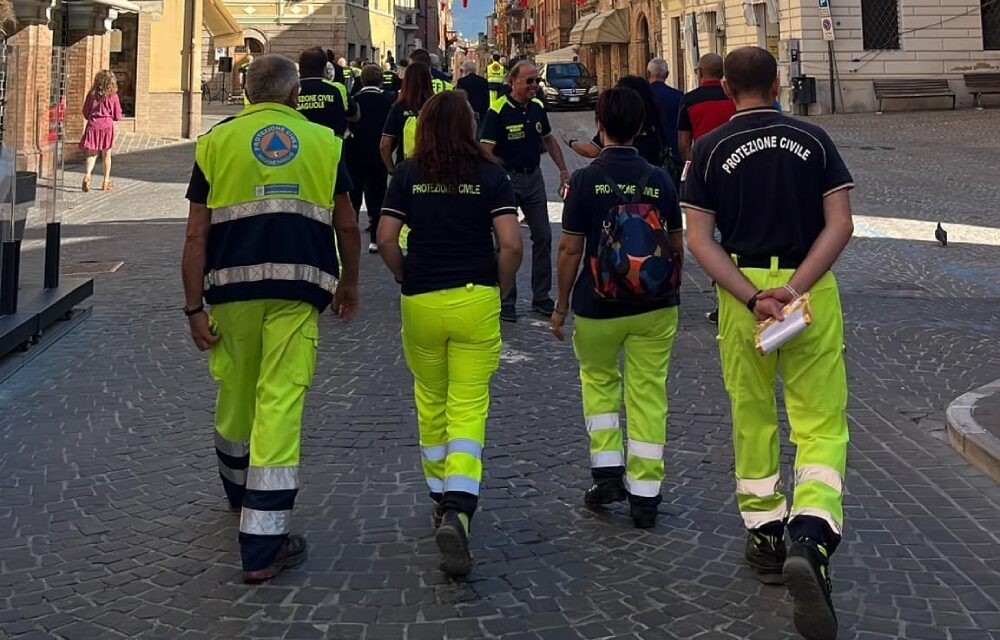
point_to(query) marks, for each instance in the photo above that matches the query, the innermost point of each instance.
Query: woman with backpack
(622, 219)
(455, 198)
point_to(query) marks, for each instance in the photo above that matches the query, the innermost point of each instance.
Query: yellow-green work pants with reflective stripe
(646, 340)
(815, 382)
(451, 340)
(265, 363)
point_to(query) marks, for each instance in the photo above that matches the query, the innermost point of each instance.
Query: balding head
(751, 74)
(272, 78)
(710, 66)
(469, 68)
(657, 70)
(523, 81)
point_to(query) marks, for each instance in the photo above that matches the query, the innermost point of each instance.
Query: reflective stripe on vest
(271, 271)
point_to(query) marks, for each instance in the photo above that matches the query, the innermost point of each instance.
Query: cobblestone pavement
(112, 523)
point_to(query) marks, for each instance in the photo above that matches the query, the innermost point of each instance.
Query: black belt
(764, 262)
(521, 171)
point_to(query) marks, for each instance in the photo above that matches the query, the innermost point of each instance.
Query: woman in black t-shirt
(638, 328)
(454, 198)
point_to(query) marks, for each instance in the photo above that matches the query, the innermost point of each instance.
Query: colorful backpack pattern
(634, 259)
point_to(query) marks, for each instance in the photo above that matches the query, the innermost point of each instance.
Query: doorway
(678, 69)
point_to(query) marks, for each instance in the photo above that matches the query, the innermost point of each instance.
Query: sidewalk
(974, 428)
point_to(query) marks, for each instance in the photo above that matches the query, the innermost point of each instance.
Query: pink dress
(101, 114)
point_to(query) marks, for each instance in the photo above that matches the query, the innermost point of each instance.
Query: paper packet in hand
(771, 334)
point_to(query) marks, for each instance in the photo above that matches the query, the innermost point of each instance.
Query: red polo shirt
(704, 109)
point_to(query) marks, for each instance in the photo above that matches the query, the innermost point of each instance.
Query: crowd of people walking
(443, 174)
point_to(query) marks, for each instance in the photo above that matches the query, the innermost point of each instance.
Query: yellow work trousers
(265, 363)
(815, 383)
(646, 340)
(451, 340)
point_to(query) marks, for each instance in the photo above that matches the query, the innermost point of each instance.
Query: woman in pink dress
(101, 109)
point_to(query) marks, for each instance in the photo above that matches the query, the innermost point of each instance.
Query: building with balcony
(406, 28)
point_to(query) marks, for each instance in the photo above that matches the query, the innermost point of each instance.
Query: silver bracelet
(790, 289)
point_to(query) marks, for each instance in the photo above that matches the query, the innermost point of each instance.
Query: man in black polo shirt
(320, 100)
(516, 129)
(778, 191)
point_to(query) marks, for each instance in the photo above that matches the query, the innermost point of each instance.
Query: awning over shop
(559, 55)
(226, 32)
(607, 27)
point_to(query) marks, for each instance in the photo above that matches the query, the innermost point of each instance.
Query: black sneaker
(643, 517)
(766, 556)
(544, 307)
(807, 576)
(713, 316)
(605, 492)
(508, 315)
(292, 553)
(452, 539)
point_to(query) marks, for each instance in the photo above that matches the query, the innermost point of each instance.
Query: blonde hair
(104, 84)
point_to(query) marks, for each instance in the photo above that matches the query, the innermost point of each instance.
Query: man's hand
(345, 302)
(768, 308)
(563, 176)
(556, 325)
(780, 294)
(201, 331)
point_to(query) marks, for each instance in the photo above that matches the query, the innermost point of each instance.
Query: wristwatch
(193, 312)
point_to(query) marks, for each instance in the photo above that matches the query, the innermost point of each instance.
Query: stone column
(89, 51)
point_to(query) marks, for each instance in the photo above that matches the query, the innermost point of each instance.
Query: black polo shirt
(327, 103)
(587, 204)
(451, 234)
(764, 176)
(361, 149)
(517, 131)
(648, 143)
(395, 123)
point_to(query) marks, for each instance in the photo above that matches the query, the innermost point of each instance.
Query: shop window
(880, 24)
(991, 24)
(124, 46)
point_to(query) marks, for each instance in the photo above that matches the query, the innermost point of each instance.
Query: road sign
(827, 25)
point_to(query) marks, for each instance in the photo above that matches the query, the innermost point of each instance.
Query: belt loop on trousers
(735, 258)
(774, 265)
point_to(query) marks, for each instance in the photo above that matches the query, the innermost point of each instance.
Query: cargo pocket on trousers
(303, 358)
(219, 362)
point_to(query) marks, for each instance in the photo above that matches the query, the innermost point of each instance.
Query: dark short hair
(371, 76)
(751, 71)
(621, 112)
(421, 56)
(312, 63)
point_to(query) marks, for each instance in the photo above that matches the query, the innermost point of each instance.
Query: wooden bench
(913, 88)
(980, 83)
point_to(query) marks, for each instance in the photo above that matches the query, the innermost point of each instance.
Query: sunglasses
(531, 81)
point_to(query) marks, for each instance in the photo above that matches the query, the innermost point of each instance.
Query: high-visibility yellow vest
(495, 73)
(271, 175)
(438, 85)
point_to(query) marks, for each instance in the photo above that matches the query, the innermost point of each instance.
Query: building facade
(59, 46)
(868, 40)
(559, 16)
(617, 37)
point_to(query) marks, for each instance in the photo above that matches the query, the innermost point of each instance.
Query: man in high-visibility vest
(259, 251)
(494, 76)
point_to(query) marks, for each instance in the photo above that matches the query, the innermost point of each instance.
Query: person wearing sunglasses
(516, 131)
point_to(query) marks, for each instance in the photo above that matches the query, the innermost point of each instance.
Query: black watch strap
(193, 312)
(752, 302)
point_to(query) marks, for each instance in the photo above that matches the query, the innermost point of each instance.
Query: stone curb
(968, 437)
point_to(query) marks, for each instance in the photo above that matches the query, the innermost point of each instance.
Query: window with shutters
(880, 24)
(991, 24)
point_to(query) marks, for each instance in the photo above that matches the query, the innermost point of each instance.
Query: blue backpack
(634, 260)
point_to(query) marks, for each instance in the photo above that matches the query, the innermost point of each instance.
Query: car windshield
(567, 70)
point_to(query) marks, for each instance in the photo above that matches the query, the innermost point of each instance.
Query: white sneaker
(372, 247)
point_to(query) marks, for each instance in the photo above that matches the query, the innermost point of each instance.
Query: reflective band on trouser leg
(648, 343)
(471, 319)
(235, 363)
(749, 379)
(596, 344)
(287, 363)
(812, 367)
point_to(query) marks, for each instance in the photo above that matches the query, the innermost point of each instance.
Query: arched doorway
(642, 48)
(254, 44)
